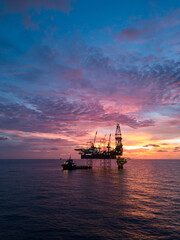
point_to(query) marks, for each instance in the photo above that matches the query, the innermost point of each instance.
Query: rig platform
(94, 152)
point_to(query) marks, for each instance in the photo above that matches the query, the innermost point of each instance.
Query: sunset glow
(69, 69)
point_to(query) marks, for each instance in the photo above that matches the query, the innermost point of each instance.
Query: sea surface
(40, 201)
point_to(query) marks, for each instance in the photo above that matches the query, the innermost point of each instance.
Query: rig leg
(103, 163)
(121, 162)
(109, 163)
(89, 162)
(120, 166)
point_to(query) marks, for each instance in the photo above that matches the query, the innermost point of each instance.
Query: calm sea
(40, 201)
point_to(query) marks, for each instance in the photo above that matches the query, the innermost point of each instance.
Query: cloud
(3, 138)
(44, 54)
(131, 34)
(95, 80)
(56, 114)
(177, 149)
(150, 29)
(22, 5)
(151, 145)
(161, 150)
(54, 149)
(100, 76)
(33, 147)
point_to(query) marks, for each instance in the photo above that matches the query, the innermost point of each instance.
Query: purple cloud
(15, 5)
(151, 29)
(3, 138)
(151, 145)
(43, 114)
(161, 150)
(130, 34)
(177, 149)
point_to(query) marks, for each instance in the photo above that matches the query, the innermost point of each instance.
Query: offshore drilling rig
(94, 152)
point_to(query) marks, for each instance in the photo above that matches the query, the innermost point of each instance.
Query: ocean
(40, 201)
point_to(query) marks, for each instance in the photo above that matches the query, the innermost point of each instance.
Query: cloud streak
(15, 5)
(3, 138)
(43, 114)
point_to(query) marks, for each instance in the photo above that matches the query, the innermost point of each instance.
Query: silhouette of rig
(108, 152)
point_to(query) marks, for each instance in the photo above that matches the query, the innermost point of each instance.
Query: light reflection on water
(40, 201)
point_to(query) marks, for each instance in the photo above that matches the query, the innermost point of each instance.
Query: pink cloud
(137, 33)
(74, 75)
(131, 33)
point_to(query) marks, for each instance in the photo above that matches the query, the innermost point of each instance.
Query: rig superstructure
(94, 152)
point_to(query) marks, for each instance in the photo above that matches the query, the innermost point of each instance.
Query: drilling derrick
(93, 144)
(118, 141)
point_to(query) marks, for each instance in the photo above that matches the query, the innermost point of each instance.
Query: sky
(69, 68)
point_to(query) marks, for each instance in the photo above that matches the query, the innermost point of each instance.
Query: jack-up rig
(94, 152)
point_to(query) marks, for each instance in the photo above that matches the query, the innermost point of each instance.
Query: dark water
(40, 201)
